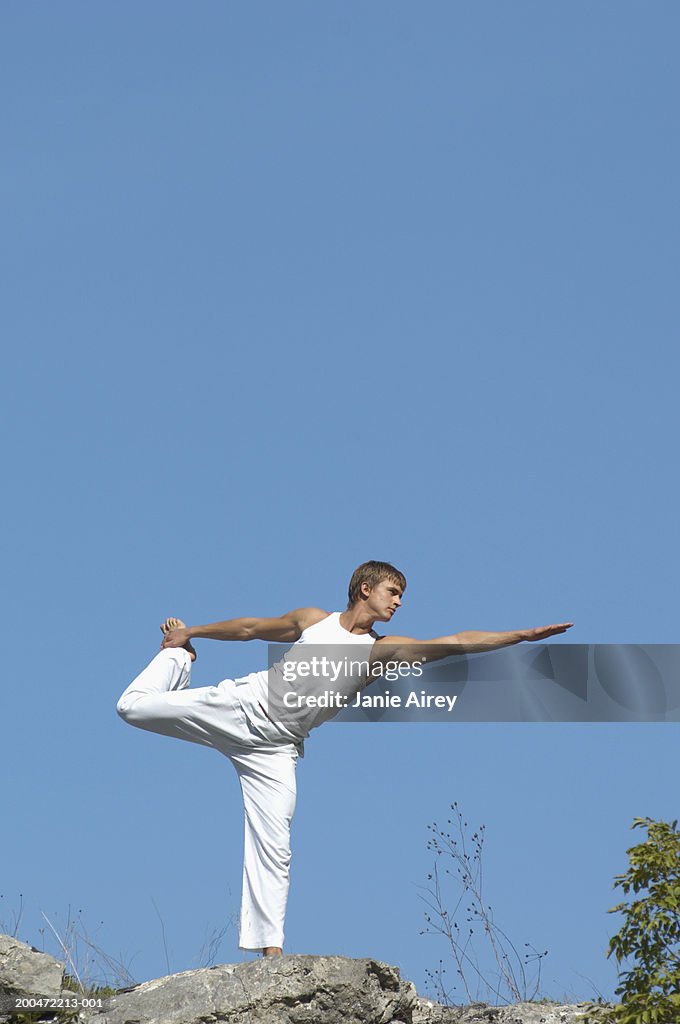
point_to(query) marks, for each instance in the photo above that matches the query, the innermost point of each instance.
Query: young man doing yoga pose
(235, 716)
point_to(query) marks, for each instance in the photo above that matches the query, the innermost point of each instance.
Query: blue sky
(287, 287)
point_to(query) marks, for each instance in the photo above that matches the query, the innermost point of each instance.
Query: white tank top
(282, 693)
(329, 631)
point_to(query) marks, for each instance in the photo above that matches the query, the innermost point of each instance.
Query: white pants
(214, 717)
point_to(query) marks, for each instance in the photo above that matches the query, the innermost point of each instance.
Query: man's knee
(128, 709)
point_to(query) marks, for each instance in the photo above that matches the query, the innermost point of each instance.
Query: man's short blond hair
(373, 573)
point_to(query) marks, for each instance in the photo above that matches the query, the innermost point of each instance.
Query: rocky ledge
(278, 990)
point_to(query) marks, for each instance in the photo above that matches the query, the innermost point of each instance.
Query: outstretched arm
(406, 648)
(285, 628)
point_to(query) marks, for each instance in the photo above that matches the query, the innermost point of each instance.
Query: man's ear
(366, 589)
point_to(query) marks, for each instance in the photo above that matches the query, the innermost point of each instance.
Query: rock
(276, 990)
(427, 1012)
(24, 971)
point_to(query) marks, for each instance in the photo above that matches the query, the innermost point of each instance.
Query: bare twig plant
(10, 925)
(503, 976)
(207, 956)
(68, 946)
(89, 969)
(165, 943)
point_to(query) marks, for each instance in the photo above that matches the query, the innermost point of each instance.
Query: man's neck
(357, 620)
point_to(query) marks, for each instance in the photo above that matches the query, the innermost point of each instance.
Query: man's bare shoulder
(306, 617)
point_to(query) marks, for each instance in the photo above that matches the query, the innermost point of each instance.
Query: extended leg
(267, 780)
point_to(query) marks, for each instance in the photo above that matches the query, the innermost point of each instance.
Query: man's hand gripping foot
(175, 634)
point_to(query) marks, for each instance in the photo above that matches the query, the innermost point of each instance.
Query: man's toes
(171, 623)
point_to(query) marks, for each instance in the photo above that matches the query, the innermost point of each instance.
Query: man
(236, 716)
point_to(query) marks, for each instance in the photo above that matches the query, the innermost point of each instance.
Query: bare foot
(172, 623)
(272, 951)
